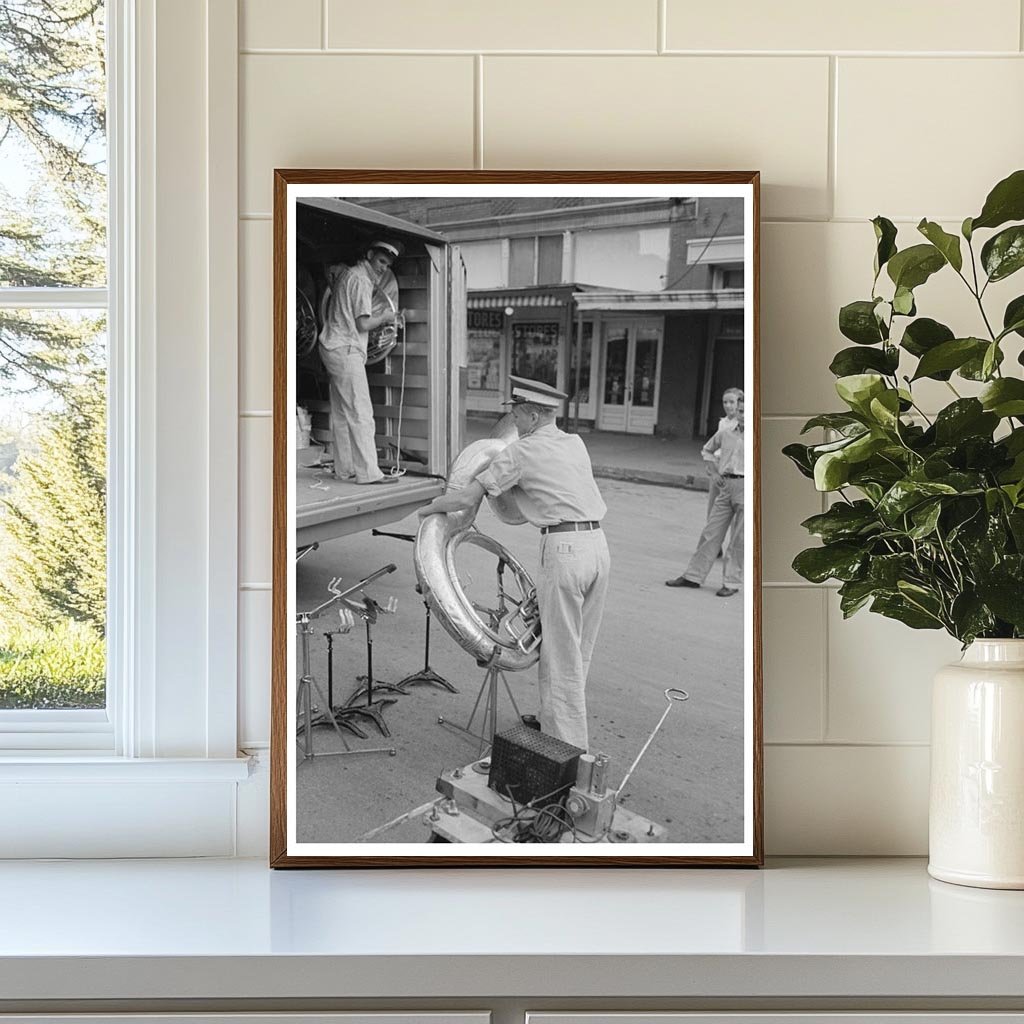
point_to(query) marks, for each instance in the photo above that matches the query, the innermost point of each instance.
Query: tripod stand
(489, 719)
(370, 708)
(307, 683)
(425, 674)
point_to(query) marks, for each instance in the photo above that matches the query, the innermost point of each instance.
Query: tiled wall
(907, 109)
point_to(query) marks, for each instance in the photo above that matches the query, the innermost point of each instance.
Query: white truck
(418, 390)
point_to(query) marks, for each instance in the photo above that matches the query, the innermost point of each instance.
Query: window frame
(175, 784)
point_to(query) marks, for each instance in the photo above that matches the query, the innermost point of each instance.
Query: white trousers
(572, 584)
(726, 512)
(352, 426)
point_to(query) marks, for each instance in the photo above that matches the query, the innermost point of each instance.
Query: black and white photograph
(516, 566)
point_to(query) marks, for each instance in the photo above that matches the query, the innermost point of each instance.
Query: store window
(485, 330)
(634, 259)
(535, 351)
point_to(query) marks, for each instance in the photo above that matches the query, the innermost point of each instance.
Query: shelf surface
(232, 929)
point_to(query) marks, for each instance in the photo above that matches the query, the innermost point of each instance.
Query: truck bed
(335, 508)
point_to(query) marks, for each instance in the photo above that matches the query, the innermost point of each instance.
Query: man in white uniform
(348, 320)
(550, 475)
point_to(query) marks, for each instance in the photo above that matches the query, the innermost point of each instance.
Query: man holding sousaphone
(350, 315)
(549, 474)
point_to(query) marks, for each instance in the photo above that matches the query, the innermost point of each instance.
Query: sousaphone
(507, 635)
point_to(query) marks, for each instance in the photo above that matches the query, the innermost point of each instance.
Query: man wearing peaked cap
(550, 474)
(348, 318)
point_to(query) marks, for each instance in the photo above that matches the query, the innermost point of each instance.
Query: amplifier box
(527, 765)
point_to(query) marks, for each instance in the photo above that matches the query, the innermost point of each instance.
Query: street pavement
(653, 637)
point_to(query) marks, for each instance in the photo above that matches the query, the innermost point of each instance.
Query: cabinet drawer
(933, 1017)
(359, 1017)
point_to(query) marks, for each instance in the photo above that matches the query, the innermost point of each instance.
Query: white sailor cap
(393, 249)
(535, 391)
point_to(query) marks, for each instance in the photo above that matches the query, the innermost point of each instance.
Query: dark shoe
(531, 721)
(682, 581)
(726, 592)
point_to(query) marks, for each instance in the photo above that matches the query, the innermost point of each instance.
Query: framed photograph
(516, 555)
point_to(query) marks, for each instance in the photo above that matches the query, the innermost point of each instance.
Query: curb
(687, 481)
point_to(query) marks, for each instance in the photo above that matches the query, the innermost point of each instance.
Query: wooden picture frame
(638, 294)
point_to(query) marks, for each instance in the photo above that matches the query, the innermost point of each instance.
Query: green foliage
(927, 525)
(61, 667)
(53, 521)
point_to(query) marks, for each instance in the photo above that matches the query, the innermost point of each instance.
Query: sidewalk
(640, 458)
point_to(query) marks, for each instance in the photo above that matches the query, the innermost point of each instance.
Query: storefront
(631, 362)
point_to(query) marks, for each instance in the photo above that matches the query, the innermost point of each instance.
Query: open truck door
(415, 389)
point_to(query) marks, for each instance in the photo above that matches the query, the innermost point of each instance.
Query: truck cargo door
(457, 349)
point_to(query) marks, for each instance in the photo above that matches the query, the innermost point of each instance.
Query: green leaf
(966, 417)
(840, 561)
(831, 471)
(913, 266)
(947, 244)
(832, 420)
(887, 570)
(850, 361)
(885, 409)
(843, 521)
(974, 368)
(924, 334)
(854, 594)
(907, 494)
(858, 389)
(971, 617)
(903, 302)
(949, 356)
(857, 321)
(1013, 317)
(799, 455)
(991, 360)
(897, 607)
(1005, 202)
(925, 518)
(965, 228)
(1003, 254)
(1004, 397)
(885, 237)
(1005, 597)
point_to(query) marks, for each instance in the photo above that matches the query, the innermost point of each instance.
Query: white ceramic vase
(976, 812)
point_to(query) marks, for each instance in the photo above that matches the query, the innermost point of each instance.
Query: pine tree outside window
(53, 369)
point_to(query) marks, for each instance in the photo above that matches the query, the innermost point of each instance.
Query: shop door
(631, 364)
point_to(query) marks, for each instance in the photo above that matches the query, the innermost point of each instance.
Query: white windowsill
(80, 767)
(203, 930)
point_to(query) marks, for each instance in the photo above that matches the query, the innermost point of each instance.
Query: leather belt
(733, 476)
(592, 524)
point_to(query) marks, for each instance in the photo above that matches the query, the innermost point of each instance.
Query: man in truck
(347, 322)
(550, 475)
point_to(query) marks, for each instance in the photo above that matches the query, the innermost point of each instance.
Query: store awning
(659, 302)
(515, 301)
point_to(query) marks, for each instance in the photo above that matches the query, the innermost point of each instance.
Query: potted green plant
(927, 521)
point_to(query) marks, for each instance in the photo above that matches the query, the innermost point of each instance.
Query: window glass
(53, 511)
(633, 259)
(535, 351)
(520, 262)
(53, 183)
(484, 344)
(53, 224)
(549, 259)
(484, 267)
(732, 277)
